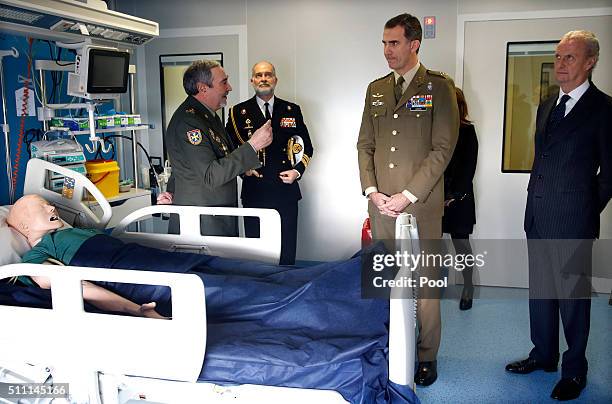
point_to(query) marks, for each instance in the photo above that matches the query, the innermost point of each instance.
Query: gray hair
(590, 41)
(198, 72)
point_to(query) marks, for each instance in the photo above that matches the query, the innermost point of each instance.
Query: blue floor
(478, 343)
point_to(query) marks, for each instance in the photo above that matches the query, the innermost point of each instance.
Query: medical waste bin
(105, 175)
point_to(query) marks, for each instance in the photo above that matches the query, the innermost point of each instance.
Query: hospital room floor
(478, 343)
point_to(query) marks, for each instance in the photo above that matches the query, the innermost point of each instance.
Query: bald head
(33, 217)
(263, 79)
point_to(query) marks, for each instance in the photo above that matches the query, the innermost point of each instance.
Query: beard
(264, 91)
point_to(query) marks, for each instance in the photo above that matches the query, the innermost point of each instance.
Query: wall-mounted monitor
(100, 73)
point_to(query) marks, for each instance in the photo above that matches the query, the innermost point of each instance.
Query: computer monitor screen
(107, 72)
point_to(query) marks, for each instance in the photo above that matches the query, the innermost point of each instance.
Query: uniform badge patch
(377, 103)
(288, 123)
(377, 95)
(429, 86)
(194, 137)
(295, 150)
(190, 111)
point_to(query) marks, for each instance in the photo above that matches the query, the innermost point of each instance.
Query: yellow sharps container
(105, 175)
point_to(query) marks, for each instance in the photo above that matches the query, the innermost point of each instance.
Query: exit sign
(429, 27)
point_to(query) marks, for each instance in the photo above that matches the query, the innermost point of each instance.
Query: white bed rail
(266, 248)
(402, 308)
(77, 343)
(71, 208)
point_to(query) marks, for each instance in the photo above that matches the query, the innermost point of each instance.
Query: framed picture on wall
(530, 78)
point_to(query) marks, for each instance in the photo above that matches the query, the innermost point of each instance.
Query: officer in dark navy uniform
(205, 162)
(273, 185)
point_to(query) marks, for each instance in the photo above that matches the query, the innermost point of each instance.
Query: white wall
(326, 52)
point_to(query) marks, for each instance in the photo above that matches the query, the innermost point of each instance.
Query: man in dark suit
(274, 185)
(569, 186)
(205, 162)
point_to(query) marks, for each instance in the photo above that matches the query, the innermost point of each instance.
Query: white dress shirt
(575, 95)
(261, 103)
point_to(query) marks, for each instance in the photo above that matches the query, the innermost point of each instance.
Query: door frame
(463, 19)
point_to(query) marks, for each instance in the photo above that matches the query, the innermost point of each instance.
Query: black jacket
(460, 216)
(571, 178)
(244, 119)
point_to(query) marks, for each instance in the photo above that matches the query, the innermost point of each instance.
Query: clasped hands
(389, 205)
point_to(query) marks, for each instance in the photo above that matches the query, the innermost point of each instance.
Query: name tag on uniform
(420, 102)
(288, 123)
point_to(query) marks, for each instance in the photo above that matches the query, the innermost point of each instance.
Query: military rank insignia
(190, 111)
(420, 102)
(288, 123)
(194, 137)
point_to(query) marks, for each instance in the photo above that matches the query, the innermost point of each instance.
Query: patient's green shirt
(61, 245)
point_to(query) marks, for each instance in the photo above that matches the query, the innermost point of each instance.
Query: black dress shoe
(426, 373)
(569, 388)
(529, 365)
(466, 298)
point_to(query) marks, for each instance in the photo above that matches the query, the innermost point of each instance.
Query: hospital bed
(117, 359)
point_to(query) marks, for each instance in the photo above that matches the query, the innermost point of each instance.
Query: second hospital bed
(116, 359)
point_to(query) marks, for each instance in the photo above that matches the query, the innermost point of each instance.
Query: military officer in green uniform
(204, 161)
(275, 184)
(408, 133)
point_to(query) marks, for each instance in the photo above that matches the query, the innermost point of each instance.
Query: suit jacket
(460, 216)
(571, 178)
(205, 163)
(408, 144)
(287, 121)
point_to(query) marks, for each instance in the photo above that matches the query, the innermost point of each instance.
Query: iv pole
(5, 126)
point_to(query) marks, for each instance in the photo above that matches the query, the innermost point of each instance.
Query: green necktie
(398, 88)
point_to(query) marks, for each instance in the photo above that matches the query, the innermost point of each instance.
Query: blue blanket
(286, 326)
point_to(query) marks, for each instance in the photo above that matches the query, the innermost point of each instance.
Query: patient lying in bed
(296, 327)
(39, 222)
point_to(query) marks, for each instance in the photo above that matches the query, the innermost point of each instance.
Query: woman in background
(459, 209)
